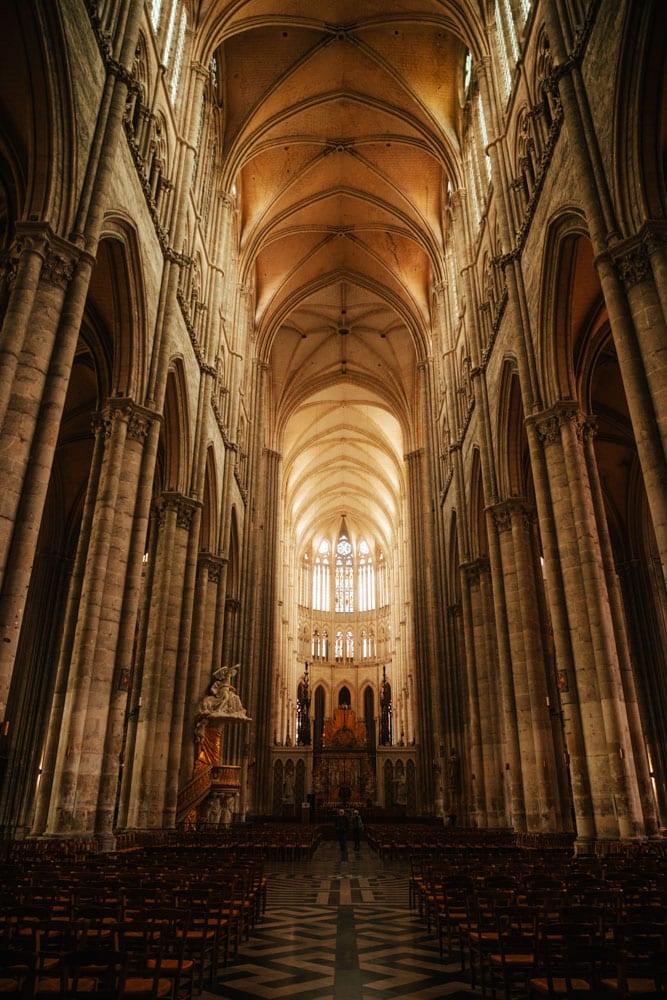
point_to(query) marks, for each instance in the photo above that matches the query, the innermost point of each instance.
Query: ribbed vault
(341, 137)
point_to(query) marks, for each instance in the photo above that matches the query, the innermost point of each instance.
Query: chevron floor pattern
(340, 930)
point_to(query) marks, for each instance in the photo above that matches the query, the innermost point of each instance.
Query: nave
(341, 929)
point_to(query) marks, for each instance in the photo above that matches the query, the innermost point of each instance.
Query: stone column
(597, 672)
(201, 649)
(117, 640)
(515, 808)
(30, 423)
(619, 623)
(471, 613)
(426, 750)
(36, 270)
(633, 259)
(637, 322)
(85, 721)
(158, 681)
(486, 667)
(548, 815)
(520, 717)
(648, 621)
(182, 708)
(44, 326)
(489, 696)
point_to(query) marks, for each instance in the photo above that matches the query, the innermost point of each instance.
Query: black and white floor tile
(340, 930)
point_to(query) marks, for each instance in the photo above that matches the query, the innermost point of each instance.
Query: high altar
(342, 772)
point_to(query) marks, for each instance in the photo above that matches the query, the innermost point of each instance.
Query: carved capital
(632, 263)
(501, 515)
(654, 235)
(59, 262)
(212, 565)
(137, 418)
(139, 425)
(182, 506)
(549, 423)
(475, 569)
(547, 427)
(102, 424)
(59, 257)
(507, 513)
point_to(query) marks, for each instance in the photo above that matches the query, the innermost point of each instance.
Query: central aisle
(340, 930)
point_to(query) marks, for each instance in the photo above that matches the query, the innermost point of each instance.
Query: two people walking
(342, 825)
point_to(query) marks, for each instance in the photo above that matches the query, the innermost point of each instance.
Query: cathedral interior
(333, 410)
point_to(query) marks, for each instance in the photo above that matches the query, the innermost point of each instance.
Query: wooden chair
(452, 915)
(566, 962)
(174, 925)
(513, 963)
(481, 936)
(201, 940)
(641, 962)
(17, 971)
(141, 943)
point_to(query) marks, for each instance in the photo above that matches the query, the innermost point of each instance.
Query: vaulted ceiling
(342, 133)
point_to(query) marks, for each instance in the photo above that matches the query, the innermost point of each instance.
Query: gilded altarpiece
(343, 774)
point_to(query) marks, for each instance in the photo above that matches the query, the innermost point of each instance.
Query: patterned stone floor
(340, 930)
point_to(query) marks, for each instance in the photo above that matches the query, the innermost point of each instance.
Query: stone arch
(175, 433)
(479, 542)
(570, 288)
(453, 560)
(232, 551)
(35, 72)
(208, 532)
(344, 696)
(116, 286)
(233, 555)
(640, 135)
(511, 457)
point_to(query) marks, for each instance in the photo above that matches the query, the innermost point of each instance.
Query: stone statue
(213, 809)
(454, 772)
(227, 810)
(385, 711)
(303, 710)
(223, 701)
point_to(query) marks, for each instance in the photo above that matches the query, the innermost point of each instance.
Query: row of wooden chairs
(167, 931)
(527, 936)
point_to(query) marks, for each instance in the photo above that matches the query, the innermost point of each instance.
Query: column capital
(548, 423)
(654, 235)
(474, 569)
(184, 507)
(59, 256)
(138, 419)
(212, 564)
(631, 261)
(507, 512)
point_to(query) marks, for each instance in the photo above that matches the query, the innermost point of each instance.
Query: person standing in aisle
(357, 827)
(341, 831)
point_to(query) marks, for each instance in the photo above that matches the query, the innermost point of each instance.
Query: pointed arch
(478, 538)
(511, 457)
(117, 291)
(640, 137)
(175, 433)
(569, 287)
(209, 519)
